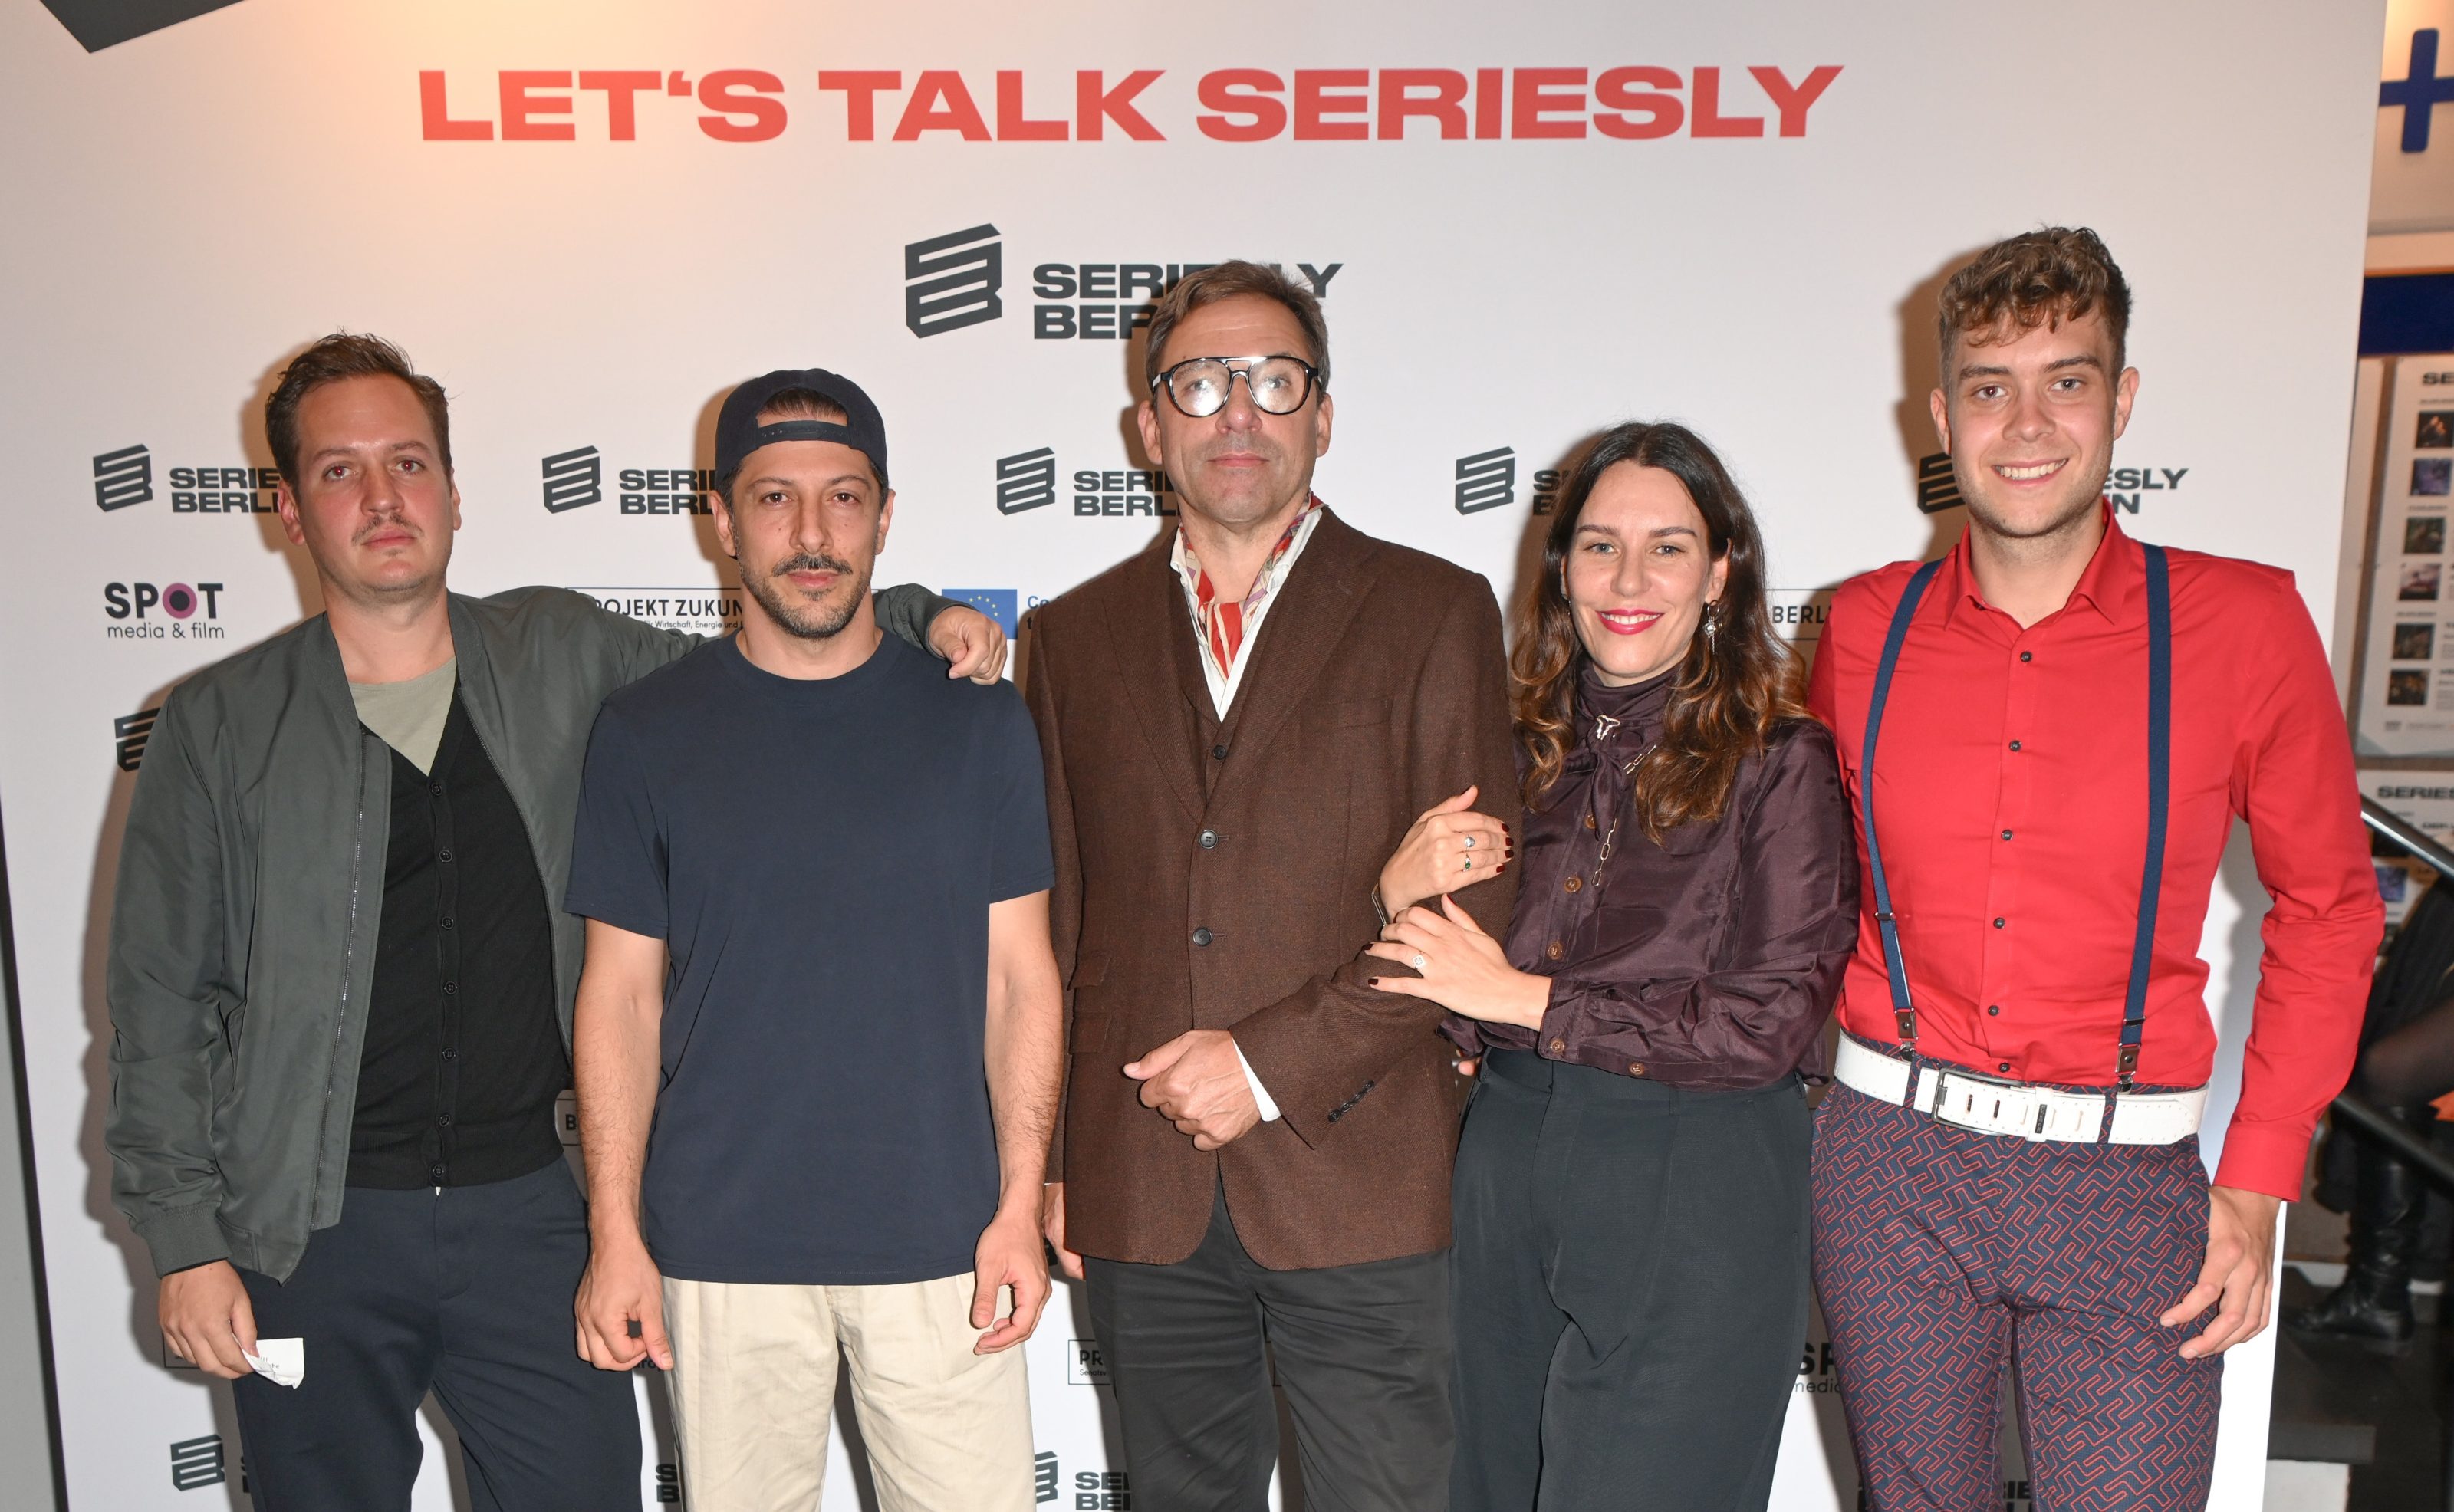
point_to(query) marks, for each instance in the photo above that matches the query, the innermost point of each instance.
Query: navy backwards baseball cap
(738, 433)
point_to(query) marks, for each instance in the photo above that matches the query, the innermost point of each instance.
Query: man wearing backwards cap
(340, 989)
(815, 874)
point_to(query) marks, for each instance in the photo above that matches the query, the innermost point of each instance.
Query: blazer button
(1590, 824)
(1201, 935)
(1635, 1068)
(1209, 839)
(1573, 884)
(1555, 950)
(1218, 752)
(1559, 1046)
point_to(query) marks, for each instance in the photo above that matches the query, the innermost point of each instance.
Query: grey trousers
(1361, 1351)
(1631, 1274)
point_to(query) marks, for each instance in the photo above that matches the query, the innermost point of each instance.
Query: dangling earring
(1712, 619)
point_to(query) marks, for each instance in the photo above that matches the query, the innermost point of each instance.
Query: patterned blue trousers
(1938, 1251)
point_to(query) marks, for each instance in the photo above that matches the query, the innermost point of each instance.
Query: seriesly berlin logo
(1027, 481)
(1135, 286)
(573, 478)
(952, 281)
(956, 280)
(1487, 480)
(128, 734)
(123, 477)
(99, 23)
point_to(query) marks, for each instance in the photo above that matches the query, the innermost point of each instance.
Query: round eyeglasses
(1199, 386)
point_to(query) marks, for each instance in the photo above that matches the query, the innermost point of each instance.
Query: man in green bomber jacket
(341, 983)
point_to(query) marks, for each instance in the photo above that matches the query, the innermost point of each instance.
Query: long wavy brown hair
(1735, 688)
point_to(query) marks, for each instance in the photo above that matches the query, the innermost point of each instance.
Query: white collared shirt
(1224, 681)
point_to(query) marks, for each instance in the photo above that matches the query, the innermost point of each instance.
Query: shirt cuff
(1260, 1094)
(2266, 1157)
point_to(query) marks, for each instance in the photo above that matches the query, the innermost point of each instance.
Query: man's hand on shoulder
(1197, 1081)
(1009, 1255)
(208, 1321)
(970, 642)
(621, 1307)
(2239, 1272)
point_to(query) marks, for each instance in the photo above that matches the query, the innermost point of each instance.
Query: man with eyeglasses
(1238, 724)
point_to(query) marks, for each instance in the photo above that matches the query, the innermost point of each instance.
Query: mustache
(391, 520)
(811, 562)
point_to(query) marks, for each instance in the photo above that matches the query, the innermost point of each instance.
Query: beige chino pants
(753, 1383)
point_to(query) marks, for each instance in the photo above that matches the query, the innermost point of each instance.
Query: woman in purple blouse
(1630, 1271)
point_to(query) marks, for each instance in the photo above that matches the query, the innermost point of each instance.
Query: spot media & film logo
(162, 611)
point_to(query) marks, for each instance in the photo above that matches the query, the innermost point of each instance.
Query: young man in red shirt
(2046, 735)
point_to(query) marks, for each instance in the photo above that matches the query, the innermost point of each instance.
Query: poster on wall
(588, 220)
(2407, 694)
(2423, 798)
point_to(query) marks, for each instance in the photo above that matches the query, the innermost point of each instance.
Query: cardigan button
(1573, 884)
(1555, 950)
(1559, 1046)
(1635, 1068)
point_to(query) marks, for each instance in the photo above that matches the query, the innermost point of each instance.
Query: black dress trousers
(1361, 1351)
(464, 1291)
(1631, 1283)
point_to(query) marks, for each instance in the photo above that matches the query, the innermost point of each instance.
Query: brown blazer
(1220, 877)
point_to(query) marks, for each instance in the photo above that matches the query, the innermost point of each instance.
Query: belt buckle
(1981, 1104)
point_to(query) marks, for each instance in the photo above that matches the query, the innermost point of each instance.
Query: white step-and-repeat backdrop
(1525, 222)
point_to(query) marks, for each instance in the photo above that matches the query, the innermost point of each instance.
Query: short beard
(2063, 522)
(797, 615)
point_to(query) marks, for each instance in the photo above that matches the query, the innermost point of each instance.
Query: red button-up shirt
(2012, 799)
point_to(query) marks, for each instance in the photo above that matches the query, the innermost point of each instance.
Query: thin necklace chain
(1603, 725)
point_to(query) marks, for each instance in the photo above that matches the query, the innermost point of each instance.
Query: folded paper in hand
(283, 1362)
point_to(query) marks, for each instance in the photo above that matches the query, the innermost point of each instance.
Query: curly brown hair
(1735, 688)
(2039, 277)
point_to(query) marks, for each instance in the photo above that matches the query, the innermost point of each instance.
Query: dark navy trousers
(466, 1292)
(1941, 1253)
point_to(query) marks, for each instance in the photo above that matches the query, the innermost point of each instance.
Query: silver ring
(1417, 963)
(1469, 842)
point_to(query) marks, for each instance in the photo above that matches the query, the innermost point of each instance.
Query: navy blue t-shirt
(819, 859)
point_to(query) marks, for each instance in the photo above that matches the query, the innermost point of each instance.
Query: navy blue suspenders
(2159, 782)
